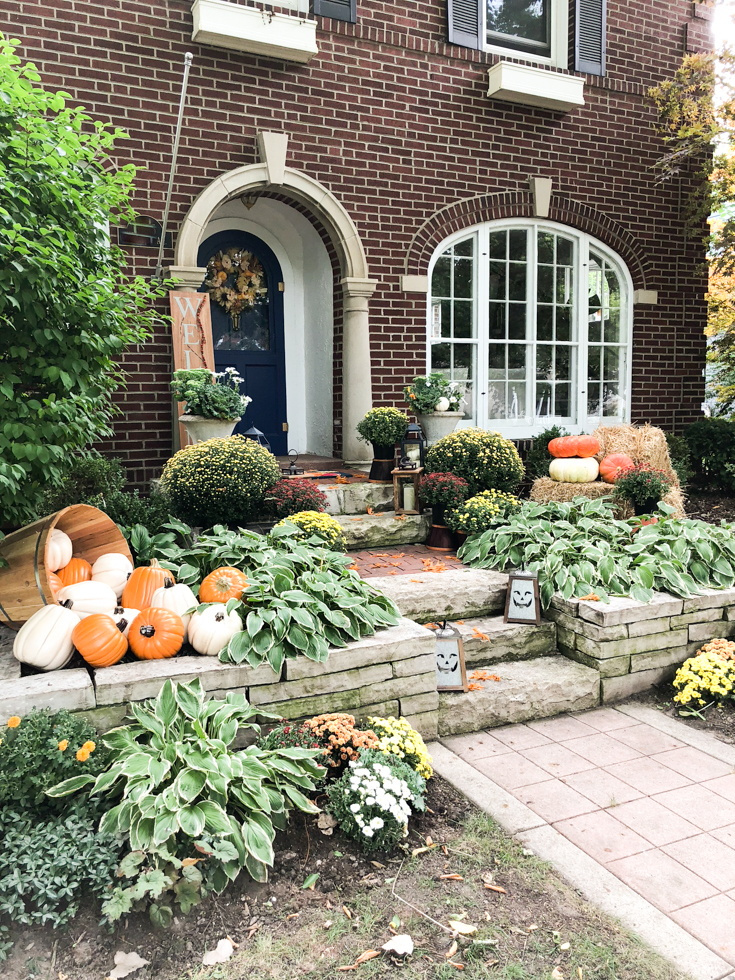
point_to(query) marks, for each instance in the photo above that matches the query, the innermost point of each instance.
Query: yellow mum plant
(312, 523)
(711, 672)
(396, 737)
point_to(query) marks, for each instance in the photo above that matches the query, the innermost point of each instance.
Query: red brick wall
(397, 125)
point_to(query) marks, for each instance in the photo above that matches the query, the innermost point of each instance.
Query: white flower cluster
(382, 789)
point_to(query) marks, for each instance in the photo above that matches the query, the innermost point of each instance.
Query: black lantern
(257, 436)
(292, 469)
(413, 445)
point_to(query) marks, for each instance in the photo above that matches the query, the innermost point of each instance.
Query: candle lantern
(451, 673)
(257, 436)
(406, 489)
(413, 444)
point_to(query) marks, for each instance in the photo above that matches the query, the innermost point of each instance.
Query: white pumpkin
(128, 615)
(114, 570)
(177, 599)
(85, 598)
(442, 405)
(59, 550)
(574, 470)
(211, 630)
(44, 641)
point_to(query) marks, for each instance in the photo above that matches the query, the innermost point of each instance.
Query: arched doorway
(253, 342)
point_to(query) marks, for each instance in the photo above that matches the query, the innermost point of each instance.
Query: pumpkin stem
(122, 625)
(219, 616)
(67, 604)
(117, 610)
(168, 584)
(148, 631)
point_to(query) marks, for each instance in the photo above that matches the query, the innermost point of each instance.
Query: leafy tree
(67, 308)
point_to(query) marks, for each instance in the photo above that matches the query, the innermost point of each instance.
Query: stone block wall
(634, 644)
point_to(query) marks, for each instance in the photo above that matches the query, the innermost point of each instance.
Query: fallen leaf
(221, 954)
(353, 519)
(475, 687)
(565, 946)
(579, 971)
(532, 928)
(326, 823)
(369, 954)
(126, 963)
(311, 881)
(370, 511)
(457, 966)
(347, 912)
(395, 923)
(399, 945)
(451, 878)
(293, 915)
(444, 846)
(586, 598)
(557, 974)
(187, 862)
(327, 923)
(422, 850)
(416, 580)
(352, 966)
(463, 928)
(496, 888)
(491, 962)
(451, 951)
(234, 944)
(377, 864)
(429, 840)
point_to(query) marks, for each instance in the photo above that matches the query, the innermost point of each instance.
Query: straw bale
(545, 489)
(644, 444)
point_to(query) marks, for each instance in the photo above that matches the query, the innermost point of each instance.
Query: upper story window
(521, 25)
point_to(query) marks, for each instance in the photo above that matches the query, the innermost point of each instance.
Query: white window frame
(580, 421)
(559, 38)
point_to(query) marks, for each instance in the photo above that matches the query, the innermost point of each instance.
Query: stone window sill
(525, 85)
(239, 28)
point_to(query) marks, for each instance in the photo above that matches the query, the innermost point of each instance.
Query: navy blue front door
(253, 342)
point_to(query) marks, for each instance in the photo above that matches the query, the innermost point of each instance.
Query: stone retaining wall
(634, 644)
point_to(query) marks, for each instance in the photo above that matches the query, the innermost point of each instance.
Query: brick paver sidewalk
(407, 559)
(655, 811)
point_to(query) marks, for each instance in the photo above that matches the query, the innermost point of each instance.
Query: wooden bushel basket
(24, 585)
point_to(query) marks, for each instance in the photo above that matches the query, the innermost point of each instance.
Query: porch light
(413, 445)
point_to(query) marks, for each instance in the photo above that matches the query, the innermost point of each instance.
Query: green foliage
(130, 508)
(712, 446)
(484, 459)
(481, 511)
(211, 396)
(423, 394)
(580, 547)
(538, 457)
(372, 801)
(67, 308)
(220, 480)
(289, 735)
(48, 866)
(681, 457)
(383, 426)
(180, 793)
(31, 760)
(144, 545)
(641, 484)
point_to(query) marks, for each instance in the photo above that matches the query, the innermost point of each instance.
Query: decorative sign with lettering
(191, 324)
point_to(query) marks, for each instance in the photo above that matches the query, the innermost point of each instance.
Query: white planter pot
(439, 424)
(200, 429)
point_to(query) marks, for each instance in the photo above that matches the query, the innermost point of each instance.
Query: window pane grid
(606, 357)
(509, 356)
(453, 320)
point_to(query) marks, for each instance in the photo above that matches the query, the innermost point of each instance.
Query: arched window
(536, 319)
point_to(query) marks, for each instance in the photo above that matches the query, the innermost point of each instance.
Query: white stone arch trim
(303, 189)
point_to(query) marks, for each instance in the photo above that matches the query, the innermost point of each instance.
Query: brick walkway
(647, 805)
(408, 559)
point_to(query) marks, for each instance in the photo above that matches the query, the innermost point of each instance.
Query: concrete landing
(458, 592)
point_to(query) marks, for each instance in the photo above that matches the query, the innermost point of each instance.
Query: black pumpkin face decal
(447, 661)
(522, 597)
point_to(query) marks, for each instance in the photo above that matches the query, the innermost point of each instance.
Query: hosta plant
(194, 811)
(578, 548)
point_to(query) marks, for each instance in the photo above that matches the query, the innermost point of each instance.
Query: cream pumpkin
(59, 550)
(85, 598)
(177, 599)
(44, 641)
(574, 470)
(120, 615)
(211, 630)
(114, 570)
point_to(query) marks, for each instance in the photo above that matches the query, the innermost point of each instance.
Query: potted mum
(382, 427)
(213, 403)
(644, 487)
(437, 404)
(444, 492)
(478, 513)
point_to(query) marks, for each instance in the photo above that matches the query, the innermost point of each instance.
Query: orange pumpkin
(78, 570)
(54, 581)
(143, 582)
(99, 640)
(587, 446)
(564, 446)
(223, 584)
(614, 466)
(156, 634)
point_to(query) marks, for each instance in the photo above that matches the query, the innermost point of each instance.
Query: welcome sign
(191, 324)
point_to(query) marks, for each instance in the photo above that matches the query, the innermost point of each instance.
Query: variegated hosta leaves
(194, 811)
(579, 548)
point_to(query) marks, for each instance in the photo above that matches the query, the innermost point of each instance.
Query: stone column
(188, 278)
(357, 387)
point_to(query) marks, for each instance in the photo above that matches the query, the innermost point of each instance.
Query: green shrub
(712, 446)
(177, 790)
(481, 511)
(538, 457)
(39, 750)
(373, 799)
(49, 866)
(220, 480)
(484, 459)
(383, 426)
(681, 457)
(317, 527)
(86, 479)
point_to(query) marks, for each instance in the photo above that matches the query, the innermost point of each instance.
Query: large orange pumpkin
(143, 582)
(587, 446)
(564, 446)
(99, 640)
(614, 466)
(223, 584)
(77, 570)
(156, 634)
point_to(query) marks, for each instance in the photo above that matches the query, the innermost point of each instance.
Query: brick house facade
(396, 153)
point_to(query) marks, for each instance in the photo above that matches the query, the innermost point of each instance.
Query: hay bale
(643, 443)
(545, 489)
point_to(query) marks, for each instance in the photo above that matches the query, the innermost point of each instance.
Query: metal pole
(188, 59)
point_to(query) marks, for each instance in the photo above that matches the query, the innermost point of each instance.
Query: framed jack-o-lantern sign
(451, 673)
(522, 603)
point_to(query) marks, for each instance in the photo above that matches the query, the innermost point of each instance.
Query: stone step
(458, 593)
(488, 641)
(355, 498)
(383, 529)
(527, 690)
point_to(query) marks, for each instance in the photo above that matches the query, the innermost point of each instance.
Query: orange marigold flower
(13, 722)
(82, 755)
(89, 746)
(63, 744)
